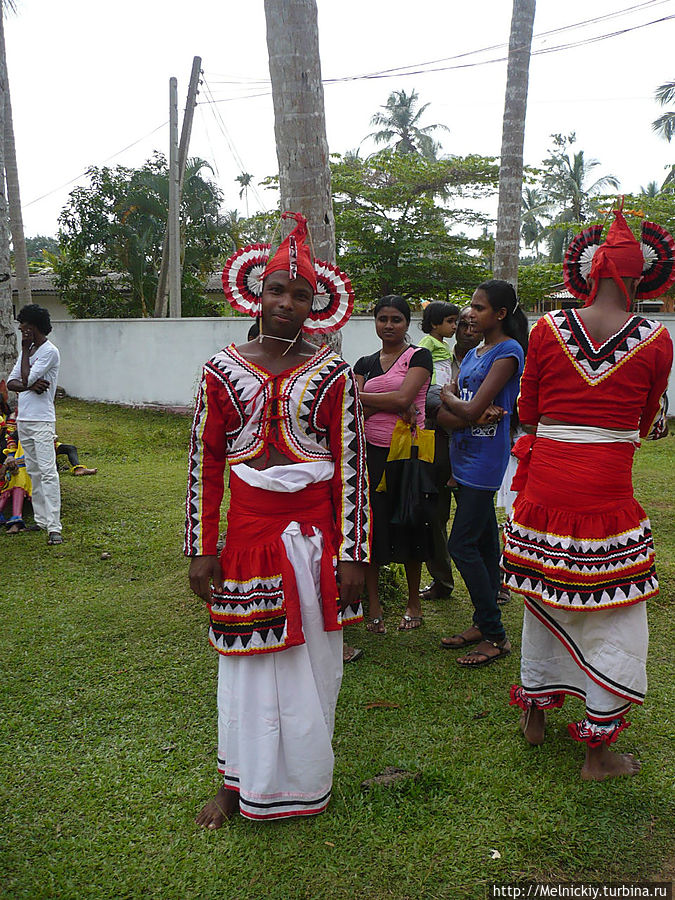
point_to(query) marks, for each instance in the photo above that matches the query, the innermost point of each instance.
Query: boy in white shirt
(34, 378)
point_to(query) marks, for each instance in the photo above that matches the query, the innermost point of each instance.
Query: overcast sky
(89, 79)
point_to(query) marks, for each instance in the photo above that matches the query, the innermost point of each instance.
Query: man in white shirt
(34, 379)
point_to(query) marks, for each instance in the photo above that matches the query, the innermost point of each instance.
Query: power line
(230, 143)
(543, 34)
(82, 174)
(401, 70)
(401, 73)
(208, 138)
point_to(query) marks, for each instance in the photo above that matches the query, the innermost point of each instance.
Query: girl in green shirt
(439, 321)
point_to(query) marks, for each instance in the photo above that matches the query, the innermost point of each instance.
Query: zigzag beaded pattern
(564, 571)
(250, 615)
(596, 364)
(298, 389)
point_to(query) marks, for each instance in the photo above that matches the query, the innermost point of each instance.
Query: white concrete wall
(158, 361)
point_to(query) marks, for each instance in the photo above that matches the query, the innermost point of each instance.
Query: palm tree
(534, 205)
(14, 198)
(300, 120)
(400, 124)
(665, 124)
(299, 117)
(507, 243)
(566, 179)
(244, 181)
(651, 190)
(8, 345)
(571, 191)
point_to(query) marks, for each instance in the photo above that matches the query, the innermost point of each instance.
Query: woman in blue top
(478, 411)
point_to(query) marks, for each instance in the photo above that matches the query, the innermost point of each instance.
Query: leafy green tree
(116, 225)
(35, 250)
(536, 281)
(658, 208)
(665, 124)
(393, 236)
(400, 125)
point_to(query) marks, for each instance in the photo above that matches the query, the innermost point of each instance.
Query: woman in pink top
(393, 385)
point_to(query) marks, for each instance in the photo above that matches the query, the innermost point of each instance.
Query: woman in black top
(393, 384)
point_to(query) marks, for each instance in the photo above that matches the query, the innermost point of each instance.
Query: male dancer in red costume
(578, 545)
(287, 418)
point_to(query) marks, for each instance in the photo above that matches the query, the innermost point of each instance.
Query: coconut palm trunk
(14, 198)
(507, 244)
(299, 118)
(8, 342)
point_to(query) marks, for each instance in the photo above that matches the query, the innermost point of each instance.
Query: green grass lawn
(108, 736)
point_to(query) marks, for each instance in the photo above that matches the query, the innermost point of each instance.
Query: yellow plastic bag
(404, 438)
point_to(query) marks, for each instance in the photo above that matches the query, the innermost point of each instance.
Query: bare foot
(533, 725)
(601, 763)
(223, 806)
(83, 470)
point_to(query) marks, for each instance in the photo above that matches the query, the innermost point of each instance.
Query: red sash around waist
(258, 610)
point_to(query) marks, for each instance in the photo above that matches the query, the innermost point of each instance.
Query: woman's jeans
(474, 548)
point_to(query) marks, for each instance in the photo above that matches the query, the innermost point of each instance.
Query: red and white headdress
(620, 256)
(245, 272)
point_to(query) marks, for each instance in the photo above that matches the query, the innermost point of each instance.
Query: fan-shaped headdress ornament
(246, 270)
(620, 256)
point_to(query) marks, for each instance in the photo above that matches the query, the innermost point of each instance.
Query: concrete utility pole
(186, 130)
(174, 205)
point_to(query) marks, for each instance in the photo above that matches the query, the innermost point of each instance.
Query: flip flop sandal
(488, 659)
(356, 653)
(376, 629)
(465, 642)
(407, 623)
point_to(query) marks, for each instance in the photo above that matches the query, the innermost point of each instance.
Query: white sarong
(276, 711)
(599, 657)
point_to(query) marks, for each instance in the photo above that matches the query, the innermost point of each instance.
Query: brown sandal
(486, 660)
(376, 626)
(459, 641)
(410, 623)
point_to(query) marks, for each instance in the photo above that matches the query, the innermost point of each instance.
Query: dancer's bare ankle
(602, 763)
(220, 808)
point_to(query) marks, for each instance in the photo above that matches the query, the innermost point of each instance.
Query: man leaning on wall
(34, 378)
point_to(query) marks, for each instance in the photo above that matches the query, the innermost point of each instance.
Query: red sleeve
(653, 421)
(342, 416)
(214, 418)
(528, 401)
